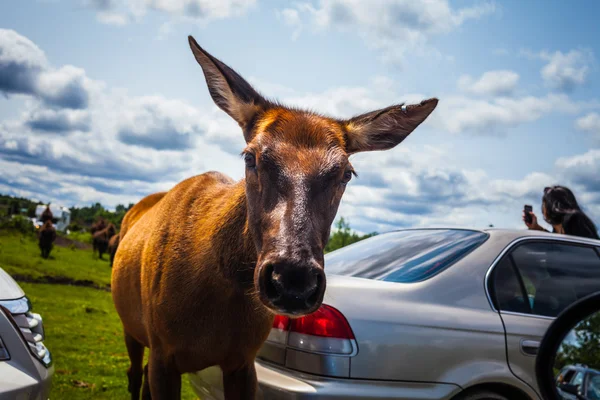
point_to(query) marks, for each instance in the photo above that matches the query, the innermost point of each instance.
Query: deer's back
(138, 210)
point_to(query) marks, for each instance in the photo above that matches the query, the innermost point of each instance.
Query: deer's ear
(384, 129)
(228, 89)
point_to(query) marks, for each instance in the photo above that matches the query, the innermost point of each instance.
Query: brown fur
(98, 226)
(199, 277)
(46, 238)
(138, 210)
(100, 239)
(130, 218)
(47, 215)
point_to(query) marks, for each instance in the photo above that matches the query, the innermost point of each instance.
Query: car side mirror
(572, 389)
(572, 340)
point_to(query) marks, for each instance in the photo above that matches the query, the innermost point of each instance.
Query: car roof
(579, 367)
(510, 234)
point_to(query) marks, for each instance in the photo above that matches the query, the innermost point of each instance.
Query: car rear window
(403, 256)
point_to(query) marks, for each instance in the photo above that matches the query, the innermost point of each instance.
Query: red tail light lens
(325, 322)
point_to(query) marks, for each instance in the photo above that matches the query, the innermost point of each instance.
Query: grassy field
(19, 254)
(83, 331)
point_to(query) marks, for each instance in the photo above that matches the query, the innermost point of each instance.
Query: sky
(102, 100)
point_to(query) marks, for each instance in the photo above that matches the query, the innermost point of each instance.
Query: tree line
(83, 217)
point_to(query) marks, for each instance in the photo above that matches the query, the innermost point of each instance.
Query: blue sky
(103, 100)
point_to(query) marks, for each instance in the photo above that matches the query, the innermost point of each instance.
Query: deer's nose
(291, 287)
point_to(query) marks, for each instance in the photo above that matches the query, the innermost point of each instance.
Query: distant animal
(98, 226)
(131, 217)
(199, 278)
(113, 244)
(47, 215)
(101, 238)
(46, 238)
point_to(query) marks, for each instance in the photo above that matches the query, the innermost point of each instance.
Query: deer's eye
(347, 177)
(250, 160)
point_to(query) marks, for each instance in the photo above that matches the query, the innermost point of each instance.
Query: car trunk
(399, 335)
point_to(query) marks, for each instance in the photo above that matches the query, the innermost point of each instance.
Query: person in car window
(561, 210)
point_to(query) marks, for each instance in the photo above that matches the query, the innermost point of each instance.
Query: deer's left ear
(384, 129)
(228, 89)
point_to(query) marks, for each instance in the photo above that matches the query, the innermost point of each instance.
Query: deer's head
(297, 168)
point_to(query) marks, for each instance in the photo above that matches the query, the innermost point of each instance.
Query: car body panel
(519, 330)
(9, 289)
(278, 383)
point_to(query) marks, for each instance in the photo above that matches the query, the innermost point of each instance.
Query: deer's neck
(232, 237)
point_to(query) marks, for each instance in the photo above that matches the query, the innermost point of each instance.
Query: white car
(432, 314)
(25, 363)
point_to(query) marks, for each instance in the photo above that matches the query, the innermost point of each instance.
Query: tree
(14, 207)
(344, 236)
(585, 349)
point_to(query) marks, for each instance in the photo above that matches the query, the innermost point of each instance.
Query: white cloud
(494, 83)
(566, 70)
(58, 121)
(291, 17)
(25, 70)
(392, 26)
(459, 114)
(590, 123)
(120, 12)
(563, 71)
(17, 49)
(112, 18)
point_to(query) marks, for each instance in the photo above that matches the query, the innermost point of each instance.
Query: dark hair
(562, 208)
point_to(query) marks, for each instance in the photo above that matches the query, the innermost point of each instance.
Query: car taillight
(279, 331)
(324, 331)
(325, 322)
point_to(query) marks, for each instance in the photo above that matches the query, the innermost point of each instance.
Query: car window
(593, 387)
(508, 292)
(403, 256)
(568, 376)
(555, 275)
(578, 380)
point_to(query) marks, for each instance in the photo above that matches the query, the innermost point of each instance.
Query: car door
(532, 283)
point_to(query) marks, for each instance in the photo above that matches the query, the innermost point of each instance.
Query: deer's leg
(134, 374)
(146, 387)
(240, 384)
(164, 378)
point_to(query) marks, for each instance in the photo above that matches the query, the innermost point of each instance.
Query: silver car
(25, 363)
(426, 314)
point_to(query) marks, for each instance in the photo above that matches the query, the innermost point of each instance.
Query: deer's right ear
(228, 89)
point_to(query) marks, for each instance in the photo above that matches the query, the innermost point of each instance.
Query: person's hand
(534, 222)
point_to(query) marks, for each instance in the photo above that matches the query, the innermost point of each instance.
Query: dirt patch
(66, 242)
(59, 280)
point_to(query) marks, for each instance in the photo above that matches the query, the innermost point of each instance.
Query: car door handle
(530, 347)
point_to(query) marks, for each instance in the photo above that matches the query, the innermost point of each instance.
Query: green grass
(19, 254)
(84, 237)
(83, 330)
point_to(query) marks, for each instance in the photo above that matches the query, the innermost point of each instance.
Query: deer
(101, 239)
(201, 275)
(46, 238)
